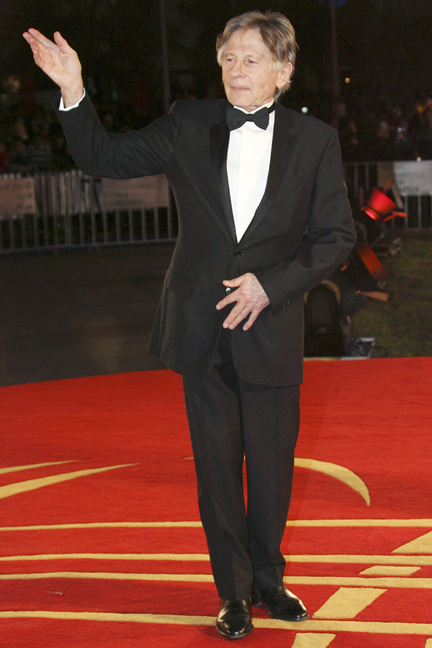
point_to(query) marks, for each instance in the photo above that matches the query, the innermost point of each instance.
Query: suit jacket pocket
(179, 283)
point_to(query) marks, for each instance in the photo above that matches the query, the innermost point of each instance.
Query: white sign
(17, 196)
(412, 178)
(136, 193)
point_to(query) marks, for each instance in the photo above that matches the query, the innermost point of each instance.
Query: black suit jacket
(301, 231)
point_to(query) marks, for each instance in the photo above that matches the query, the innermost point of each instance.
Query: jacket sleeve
(127, 155)
(329, 239)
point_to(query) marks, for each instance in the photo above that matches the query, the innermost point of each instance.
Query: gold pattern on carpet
(422, 545)
(341, 473)
(354, 594)
(34, 484)
(372, 627)
(348, 602)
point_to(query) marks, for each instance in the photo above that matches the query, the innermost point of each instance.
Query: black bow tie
(236, 118)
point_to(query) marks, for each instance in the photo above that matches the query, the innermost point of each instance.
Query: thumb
(233, 283)
(60, 41)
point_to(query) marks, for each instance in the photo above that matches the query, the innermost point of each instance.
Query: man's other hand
(250, 296)
(59, 61)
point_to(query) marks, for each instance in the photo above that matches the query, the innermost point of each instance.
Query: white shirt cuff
(62, 106)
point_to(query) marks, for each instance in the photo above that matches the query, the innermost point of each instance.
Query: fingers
(251, 319)
(37, 40)
(31, 40)
(36, 48)
(231, 283)
(40, 38)
(235, 317)
(40, 51)
(35, 33)
(225, 302)
(238, 313)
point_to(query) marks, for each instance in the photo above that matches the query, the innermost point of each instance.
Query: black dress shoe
(234, 619)
(281, 604)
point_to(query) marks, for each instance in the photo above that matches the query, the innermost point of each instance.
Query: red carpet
(101, 546)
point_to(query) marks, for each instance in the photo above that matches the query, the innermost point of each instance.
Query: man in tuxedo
(263, 218)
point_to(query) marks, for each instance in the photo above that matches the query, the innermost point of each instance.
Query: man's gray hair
(276, 31)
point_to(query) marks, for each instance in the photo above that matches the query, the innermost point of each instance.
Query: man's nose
(237, 69)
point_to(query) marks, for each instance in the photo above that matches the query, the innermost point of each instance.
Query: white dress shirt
(248, 163)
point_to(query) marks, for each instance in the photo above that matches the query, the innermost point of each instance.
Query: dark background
(383, 46)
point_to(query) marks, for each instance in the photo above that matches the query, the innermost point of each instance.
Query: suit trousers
(231, 420)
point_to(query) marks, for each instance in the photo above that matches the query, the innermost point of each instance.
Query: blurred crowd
(35, 143)
(381, 130)
(32, 144)
(369, 130)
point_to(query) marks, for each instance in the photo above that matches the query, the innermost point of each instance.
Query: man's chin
(241, 99)
(241, 104)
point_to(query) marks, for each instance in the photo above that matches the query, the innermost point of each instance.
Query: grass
(403, 325)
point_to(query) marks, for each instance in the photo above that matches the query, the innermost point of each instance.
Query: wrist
(72, 95)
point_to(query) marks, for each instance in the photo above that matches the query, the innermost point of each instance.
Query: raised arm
(59, 61)
(125, 155)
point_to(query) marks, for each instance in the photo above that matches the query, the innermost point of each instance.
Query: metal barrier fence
(69, 214)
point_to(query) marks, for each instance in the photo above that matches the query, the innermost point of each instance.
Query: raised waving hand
(59, 61)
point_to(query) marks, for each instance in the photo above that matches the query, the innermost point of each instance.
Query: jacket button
(228, 290)
(238, 253)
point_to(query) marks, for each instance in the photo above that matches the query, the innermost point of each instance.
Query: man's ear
(285, 75)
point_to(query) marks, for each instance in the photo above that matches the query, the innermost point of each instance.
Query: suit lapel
(281, 149)
(219, 140)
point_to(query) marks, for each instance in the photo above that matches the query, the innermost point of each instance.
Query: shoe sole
(232, 637)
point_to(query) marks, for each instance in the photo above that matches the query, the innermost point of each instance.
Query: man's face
(249, 74)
